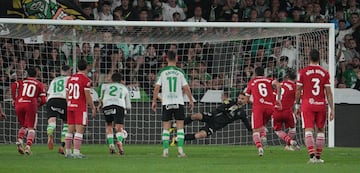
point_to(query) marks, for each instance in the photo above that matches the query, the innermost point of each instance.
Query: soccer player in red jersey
(78, 96)
(261, 88)
(312, 86)
(285, 116)
(27, 94)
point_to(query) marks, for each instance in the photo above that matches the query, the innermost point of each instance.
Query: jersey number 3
(316, 87)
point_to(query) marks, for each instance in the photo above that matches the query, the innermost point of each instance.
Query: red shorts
(260, 116)
(27, 115)
(77, 117)
(311, 118)
(285, 117)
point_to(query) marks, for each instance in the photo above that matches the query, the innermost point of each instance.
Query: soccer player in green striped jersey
(114, 99)
(173, 84)
(56, 107)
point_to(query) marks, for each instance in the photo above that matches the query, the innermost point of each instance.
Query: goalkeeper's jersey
(227, 113)
(115, 94)
(57, 88)
(172, 80)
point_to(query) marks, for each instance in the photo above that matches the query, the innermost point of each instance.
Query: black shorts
(114, 113)
(210, 125)
(170, 111)
(57, 107)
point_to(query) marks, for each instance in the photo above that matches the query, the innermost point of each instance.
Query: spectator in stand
(317, 13)
(205, 6)
(275, 7)
(235, 17)
(105, 13)
(19, 72)
(128, 12)
(253, 16)
(114, 4)
(283, 16)
(351, 51)
(290, 51)
(95, 69)
(356, 63)
(296, 15)
(107, 52)
(87, 9)
(215, 11)
(343, 30)
(309, 10)
(357, 84)
(270, 69)
(350, 76)
(196, 18)
(53, 65)
(299, 4)
(351, 9)
(131, 74)
(36, 58)
(267, 16)
(244, 11)
(169, 8)
(140, 6)
(282, 68)
(86, 54)
(276, 52)
(204, 76)
(261, 6)
(151, 58)
(70, 59)
(339, 15)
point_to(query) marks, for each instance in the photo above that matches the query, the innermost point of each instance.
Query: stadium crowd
(140, 62)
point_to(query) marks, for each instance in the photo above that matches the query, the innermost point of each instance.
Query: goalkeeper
(226, 113)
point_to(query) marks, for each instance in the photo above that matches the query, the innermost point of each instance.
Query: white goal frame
(329, 26)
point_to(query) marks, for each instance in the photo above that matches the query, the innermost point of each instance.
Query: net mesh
(215, 59)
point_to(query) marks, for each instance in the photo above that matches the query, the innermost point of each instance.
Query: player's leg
(289, 123)
(320, 134)
(51, 122)
(308, 125)
(50, 130)
(166, 124)
(257, 125)
(64, 130)
(179, 117)
(20, 113)
(197, 116)
(80, 123)
(266, 118)
(30, 123)
(70, 134)
(110, 137)
(119, 126)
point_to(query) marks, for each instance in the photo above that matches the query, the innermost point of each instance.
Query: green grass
(201, 159)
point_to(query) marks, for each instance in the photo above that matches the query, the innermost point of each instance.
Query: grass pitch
(201, 159)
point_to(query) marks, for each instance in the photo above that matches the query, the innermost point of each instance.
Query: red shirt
(313, 79)
(76, 86)
(288, 90)
(29, 90)
(261, 89)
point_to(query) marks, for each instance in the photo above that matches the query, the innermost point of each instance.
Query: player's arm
(2, 114)
(14, 86)
(277, 85)
(42, 95)
(187, 91)
(330, 100)
(245, 120)
(297, 100)
(101, 96)
(155, 96)
(127, 101)
(90, 101)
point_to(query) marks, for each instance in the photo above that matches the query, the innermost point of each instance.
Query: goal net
(218, 58)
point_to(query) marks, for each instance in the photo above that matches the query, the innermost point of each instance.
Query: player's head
(291, 74)
(82, 65)
(65, 70)
(241, 98)
(31, 72)
(259, 71)
(116, 77)
(171, 56)
(314, 56)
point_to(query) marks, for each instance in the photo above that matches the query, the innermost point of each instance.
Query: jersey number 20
(74, 91)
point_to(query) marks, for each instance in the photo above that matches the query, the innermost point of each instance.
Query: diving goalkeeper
(226, 113)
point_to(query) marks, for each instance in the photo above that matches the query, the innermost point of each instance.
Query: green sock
(110, 139)
(180, 137)
(63, 132)
(119, 137)
(50, 128)
(165, 138)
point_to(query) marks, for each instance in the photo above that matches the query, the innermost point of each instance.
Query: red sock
(77, 142)
(263, 132)
(320, 141)
(30, 137)
(284, 136)
(257, 140)
(68, 140)
(21, 133)
(292, 133)
(309, 142)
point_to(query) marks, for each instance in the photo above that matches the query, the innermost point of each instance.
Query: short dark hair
(259, 71)
(31, 72)
(65, 68)
(291, 74)
(284, 58)
(314, 55)
(117, 77)
(171, 55)
(82, 64)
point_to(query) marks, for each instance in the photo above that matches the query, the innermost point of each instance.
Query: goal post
(214, 55)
